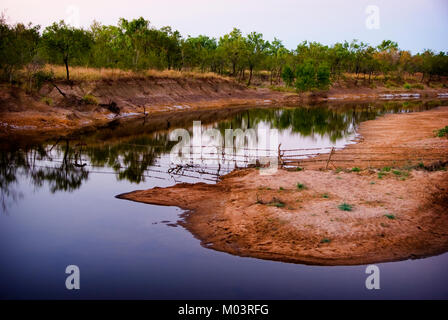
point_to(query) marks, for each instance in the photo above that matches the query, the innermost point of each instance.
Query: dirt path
(297, 216)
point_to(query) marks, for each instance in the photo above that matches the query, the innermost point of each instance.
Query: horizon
(416, 27)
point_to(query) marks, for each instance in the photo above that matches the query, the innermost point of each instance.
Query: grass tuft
(301, 186)
(345, 207)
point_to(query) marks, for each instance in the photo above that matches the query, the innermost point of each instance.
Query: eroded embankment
(299, 217)
(84, 103)
(61, 107)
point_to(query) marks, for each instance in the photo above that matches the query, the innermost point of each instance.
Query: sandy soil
(393, 140)
(399, 215)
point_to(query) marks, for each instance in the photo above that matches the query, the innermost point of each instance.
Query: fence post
(329, 158)
(279, 160)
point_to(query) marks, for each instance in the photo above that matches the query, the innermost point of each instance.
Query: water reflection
(138, 150)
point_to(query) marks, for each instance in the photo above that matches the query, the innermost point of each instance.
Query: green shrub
(301, 186)
(288, 76)
(47, 100)
(418, 86)
(442, 132)
(355, 169)
(390, 216)
(391, 84)
(277, 203)
(41, 77)
(407, 86)
(345, 207)
(89, 99)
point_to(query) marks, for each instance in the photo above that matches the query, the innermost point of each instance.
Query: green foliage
(325, 240)
(305, 76)
(276, 203)
(390, 216)
(345, 207)
(42, 77)
(62, 44)
(323, 76)
(311, 75)
(301, 186)
(288, 76)
(442, 132)
(89, 99)
(18, 47)
(355, 169)
(47, 100)
(137, 45)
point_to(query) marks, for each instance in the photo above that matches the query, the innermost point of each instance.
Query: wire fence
(206, 165)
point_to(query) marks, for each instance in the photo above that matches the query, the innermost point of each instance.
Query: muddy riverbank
(62, 107)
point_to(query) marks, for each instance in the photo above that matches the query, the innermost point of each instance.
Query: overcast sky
(414, 24)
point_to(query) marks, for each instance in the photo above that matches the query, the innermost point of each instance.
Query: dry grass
(90, 74)
(417, 77)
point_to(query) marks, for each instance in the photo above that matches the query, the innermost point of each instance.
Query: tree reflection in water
(131, 150)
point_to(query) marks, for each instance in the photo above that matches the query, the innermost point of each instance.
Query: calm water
(58, 208)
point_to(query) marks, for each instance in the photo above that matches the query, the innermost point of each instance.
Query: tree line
(136, 45)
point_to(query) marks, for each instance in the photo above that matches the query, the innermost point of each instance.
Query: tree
(18, 46)
(305, 76)
(288, 76)
(63, 43)
(255, 50)
(277, 57)
(232, 48)
(323, 76)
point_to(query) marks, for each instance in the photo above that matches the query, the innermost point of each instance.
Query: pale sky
(414, 24)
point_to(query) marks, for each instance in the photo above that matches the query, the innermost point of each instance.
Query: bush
(391, 84)
(47, 100)
(288, 76)
(323, 76)
(407, 86)
(345, 207)
(89, 99)
(42, 77)
(301, 186)
(442, 132)
(418, 86)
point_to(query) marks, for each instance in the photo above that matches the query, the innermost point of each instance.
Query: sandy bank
(397, 215)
